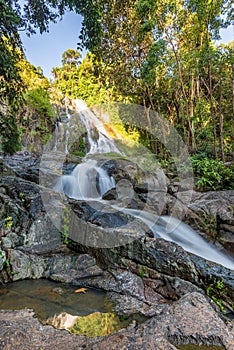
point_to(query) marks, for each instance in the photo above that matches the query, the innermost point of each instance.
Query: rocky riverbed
(147, 276)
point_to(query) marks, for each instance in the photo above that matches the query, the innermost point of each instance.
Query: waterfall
(89, 181)
(61, 135)
(101, 142)
(174, 230)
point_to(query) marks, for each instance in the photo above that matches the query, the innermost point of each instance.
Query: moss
(78, 148)
(143, 271)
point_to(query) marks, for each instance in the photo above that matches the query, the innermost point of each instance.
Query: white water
(61, 135)
(89, 181)
(174, 230)
(102, 142)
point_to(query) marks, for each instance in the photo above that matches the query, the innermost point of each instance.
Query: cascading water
(61, 135)
(89, 181)
(102, 143)
(174, 230)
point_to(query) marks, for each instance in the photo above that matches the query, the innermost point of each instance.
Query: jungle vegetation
(161, 54)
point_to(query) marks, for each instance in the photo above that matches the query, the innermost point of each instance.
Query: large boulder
(212, 213)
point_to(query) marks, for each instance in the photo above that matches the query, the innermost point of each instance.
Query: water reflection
(49, 298)
(93, 325)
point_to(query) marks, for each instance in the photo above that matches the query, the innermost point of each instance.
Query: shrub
(38, 99)
(212, 174)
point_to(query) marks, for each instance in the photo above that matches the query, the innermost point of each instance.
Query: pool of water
(64, 306)
(48, 298)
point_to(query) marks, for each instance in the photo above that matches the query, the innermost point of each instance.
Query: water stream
(61, 134)
(99, 140)
(89, 181)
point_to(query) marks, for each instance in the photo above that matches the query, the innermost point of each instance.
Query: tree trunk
(194, 146)
(221, 118)
(233, 85)
(212, 110)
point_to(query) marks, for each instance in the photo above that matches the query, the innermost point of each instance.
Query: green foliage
(143, 271)
(162, 54)
(216, 292)
(39, 100)
(8, 222)
(65, 225)
(78, 148)
(9, 133)
(159, 54)
(22, 196)
(79, 80)
(70, 58)
(212, 174)
(15, 17)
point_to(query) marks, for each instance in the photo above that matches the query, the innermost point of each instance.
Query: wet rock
(72, 268)
(24, 164)
(165, 258)
(110, 195)
(42, 237)
(2, 259)
(64, 267)
(128, 305)
(212, 213)
(130, 283)
(193, 320)
(71, 161)
(26, 266)
(141, 188)
(6, 243)
(105, 227)
(137, 184)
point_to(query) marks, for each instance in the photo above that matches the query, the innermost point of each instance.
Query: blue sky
(46, 50)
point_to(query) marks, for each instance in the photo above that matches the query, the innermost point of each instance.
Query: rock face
(145, 255)
(23, 164)
(213, 212)
(20, 330)
(178, 324)
(30, 243)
